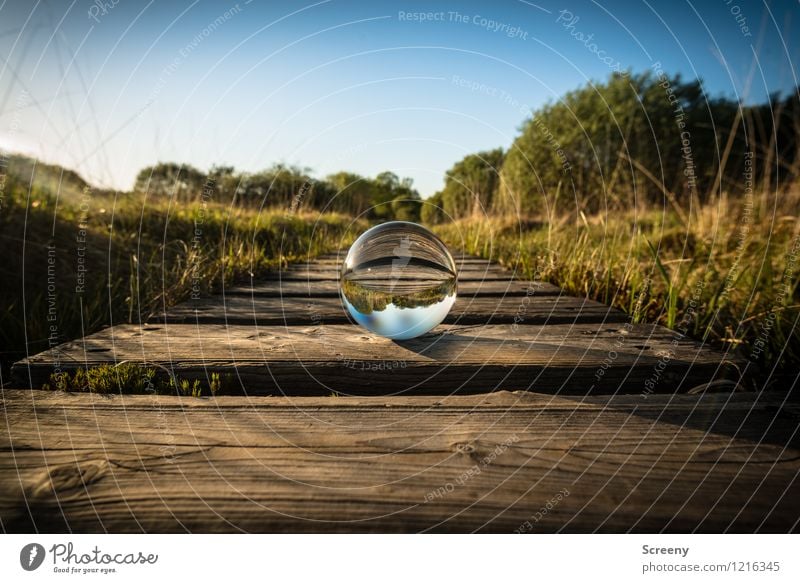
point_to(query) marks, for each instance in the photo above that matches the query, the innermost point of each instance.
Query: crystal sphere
(398, 280)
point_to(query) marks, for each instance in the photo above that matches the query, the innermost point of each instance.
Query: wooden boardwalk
(528, 410)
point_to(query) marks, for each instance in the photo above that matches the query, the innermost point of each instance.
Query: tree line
(632, 139)
(384, 197)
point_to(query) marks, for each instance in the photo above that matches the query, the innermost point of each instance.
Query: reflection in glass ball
(398, 280)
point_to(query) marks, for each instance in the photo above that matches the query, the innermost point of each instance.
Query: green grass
(132, 378)
(73, 263)
(727, 273)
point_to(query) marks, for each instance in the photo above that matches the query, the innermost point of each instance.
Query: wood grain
(84, 463)
(575, 359)
(321, 271)
(267, 311)
(459, 258)
(330, 288)
(392, 462)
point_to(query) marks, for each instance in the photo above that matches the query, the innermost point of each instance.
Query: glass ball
(398, 280)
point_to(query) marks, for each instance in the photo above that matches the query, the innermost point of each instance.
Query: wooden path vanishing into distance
(526, 411)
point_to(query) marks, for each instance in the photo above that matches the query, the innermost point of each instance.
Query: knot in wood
(464, 447)
(69, 479)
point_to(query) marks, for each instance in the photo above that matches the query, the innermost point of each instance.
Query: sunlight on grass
(112, 259)
(730, 277)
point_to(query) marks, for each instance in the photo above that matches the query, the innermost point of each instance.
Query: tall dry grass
(725, 272)
(137, 256)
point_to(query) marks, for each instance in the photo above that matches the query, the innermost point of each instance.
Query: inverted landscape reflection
(399, 280)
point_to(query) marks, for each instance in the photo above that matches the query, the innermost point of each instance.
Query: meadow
(677, 209)
(726, 273)
(77, 259)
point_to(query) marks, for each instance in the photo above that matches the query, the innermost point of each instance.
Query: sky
(107, 87)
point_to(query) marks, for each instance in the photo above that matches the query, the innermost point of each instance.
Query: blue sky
(410, 87)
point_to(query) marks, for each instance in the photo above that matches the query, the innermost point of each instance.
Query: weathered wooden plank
(467, 265)
(84, 463)
(574, 359)
(474, 265)
(461, 262)
(460, 258)
(330, 288)
(291, 274)
(320, 271)
(269, 311)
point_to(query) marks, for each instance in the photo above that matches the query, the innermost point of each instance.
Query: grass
(726, 273)
(132, 378)
(77, 261)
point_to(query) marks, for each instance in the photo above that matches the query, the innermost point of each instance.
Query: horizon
(411, 88)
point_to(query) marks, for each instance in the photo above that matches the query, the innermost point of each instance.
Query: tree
(615, 142)
(432, 212)
(471, 183)
(280, 186)
(406, 207)
(180, 181)
(352, 193)
(391, 195)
